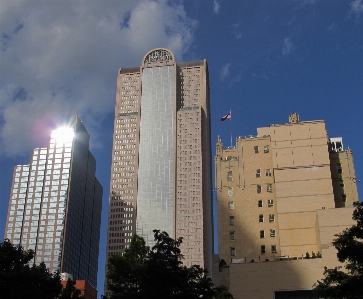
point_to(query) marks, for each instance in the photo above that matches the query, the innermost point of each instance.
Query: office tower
(55, 204)
(270, 187)
(161, 158)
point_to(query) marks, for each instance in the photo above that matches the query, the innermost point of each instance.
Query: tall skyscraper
(270, 188)
(55, 205)
(161, 158)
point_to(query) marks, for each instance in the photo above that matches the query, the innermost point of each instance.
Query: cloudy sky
(267, 59)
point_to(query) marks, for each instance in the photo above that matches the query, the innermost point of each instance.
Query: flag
(226, 117)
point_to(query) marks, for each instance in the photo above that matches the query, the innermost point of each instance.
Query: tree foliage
(19, 280)
(221, 292)
(348, 283)
(157, 273)
(70, 291)
(126, 273)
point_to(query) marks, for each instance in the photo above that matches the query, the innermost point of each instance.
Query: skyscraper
(270, 188)
(55, 204)
(161, 158)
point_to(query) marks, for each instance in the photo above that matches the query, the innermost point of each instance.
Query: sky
(266, 58)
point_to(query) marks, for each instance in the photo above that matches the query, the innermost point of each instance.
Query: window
(262, 234)
(231, 236)
(229, 176)
(263, 249)
(271, 217)
(258, 173)
(268, 172)
(259, 189)
(341, 183)
(260, 203)
(233, 251)
(230, 191)
(272, 233)
(270, 203)
(273, 249)
(339, 167)
(269, 188)
(266, 149)
(260, 218)
(256, 149)
(231, 205)
(231, 220)
(344, 198)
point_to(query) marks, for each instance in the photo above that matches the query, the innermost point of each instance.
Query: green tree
(156, 273)
(70, 291)
(19, 280)
(348, 283)
(126, 273)
(222, 293)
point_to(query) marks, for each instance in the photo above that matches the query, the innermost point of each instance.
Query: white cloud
(216, 7)
(357, 7)
(286, 48)
(237, 35)
(225, 71)
(60, 58)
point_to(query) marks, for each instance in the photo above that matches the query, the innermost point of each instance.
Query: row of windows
(272, 233)
(132, 77)
(267, 172)
(123, 180)
(263, 250)
(129, 130)
(270, 203)
(188, 175)
(130, 87)
(258, 174)
(259, 189)
(232, 234)
(271, 218)
(191, 152)
(113, 222)
(268, 188)
(190, 224)
(121, 210)
(123, 227)
(126, 120)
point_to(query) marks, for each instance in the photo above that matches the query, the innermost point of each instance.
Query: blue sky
(267, 59)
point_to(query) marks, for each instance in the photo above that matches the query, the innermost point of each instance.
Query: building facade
(270, 187)
(161, 158)
(55, 205)
(291, 277)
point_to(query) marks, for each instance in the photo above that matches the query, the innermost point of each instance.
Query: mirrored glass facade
(156, 175)
(55, 206)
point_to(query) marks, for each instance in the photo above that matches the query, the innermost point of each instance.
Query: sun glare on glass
(63, 135)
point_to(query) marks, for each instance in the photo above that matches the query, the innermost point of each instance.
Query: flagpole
(230, 123)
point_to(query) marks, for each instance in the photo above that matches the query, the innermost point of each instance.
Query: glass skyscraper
(161, 157)
(55, 205)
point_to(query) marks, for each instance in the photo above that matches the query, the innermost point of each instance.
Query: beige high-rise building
(161, 156)
(270, 188)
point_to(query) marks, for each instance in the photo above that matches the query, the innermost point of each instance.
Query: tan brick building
(270, 188)
(161, 174)
(287, 277)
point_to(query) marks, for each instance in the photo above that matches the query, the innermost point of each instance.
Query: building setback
(161, 157)
(270, 188)
(55, 205)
